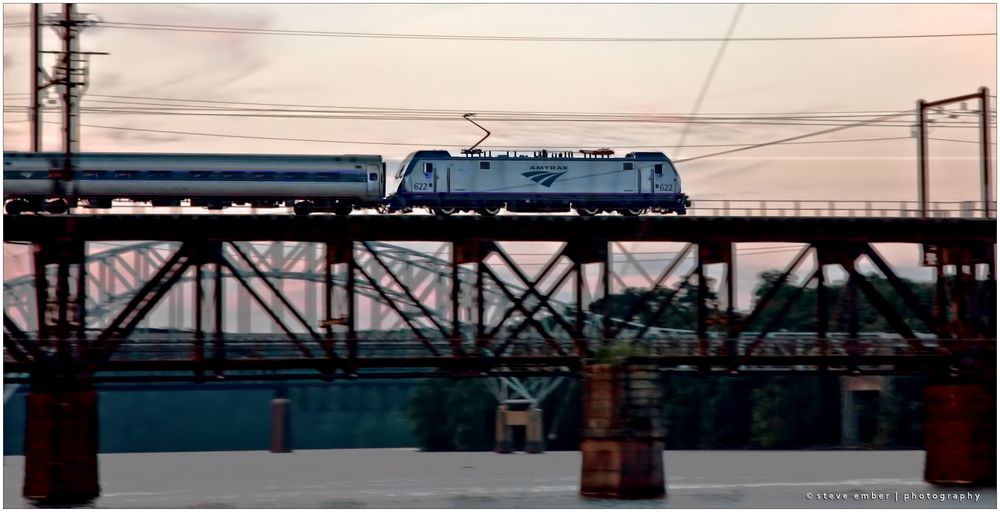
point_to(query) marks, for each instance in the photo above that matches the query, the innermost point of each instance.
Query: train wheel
(488, 212)
(631, 212)
(56, 206)
(303, 208)
(16, 207)
(343, 210)
(587, 212)
(444, 212)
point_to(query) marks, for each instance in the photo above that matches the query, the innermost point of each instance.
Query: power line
(419, 144)
(789, 139)
(198, 111)
(470, 37)
(460, 111)
(711, 71)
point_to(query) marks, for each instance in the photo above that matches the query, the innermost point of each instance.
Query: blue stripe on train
(311, 176)
(671, 201)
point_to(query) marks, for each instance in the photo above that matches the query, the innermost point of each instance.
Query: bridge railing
(817, 208)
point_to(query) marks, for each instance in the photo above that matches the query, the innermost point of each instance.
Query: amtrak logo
(545, 178)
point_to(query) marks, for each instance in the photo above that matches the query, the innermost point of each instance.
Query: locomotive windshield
(402, 166)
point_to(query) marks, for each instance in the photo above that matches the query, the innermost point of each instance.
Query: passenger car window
(372, 176)
(627, 166)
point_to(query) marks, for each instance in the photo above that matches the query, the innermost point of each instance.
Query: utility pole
(37, 77)
(923, 186)
(70, 76)
(984, 125)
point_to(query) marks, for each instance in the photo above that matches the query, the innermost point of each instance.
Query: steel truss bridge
(419, 295)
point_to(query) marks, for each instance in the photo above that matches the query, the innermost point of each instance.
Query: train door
(382, 191)
(376, 180)
(422, 181)
(662, 181)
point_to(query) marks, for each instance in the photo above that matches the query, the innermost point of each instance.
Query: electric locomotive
(589, 182)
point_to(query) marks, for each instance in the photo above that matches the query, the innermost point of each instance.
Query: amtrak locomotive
(540, 182)
(589, 182)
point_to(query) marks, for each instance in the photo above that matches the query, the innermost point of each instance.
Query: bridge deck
(40, 228)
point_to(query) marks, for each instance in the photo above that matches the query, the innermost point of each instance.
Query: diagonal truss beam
(549, 340)
(532, 284)
(263, 305)
(883, 306)
(325, 343)
(520, 327)
(772, 292)
(663, 306)
(12, 329)
(646, 295)
(903, 290)
(532, 289)
(13, 338)
(782, 311)
(392, 304)
(143, 302)
(428, 313)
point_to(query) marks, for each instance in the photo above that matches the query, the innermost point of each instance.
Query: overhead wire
(510, 147)
(788, 139)
(472, 37)
(196, 111)
(711, 72)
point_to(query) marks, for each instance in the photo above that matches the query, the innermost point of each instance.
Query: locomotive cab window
(627, 166)
(658, 169)
(428, 168)
(484, 165)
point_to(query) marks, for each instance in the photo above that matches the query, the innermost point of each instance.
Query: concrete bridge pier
(960, 434)
(60, 446)
(509, 415)
(622, 443)
(857, 423)
(281, 422)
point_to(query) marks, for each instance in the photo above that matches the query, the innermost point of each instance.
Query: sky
(850, 78)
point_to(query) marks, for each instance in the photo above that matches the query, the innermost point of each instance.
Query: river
(406, 478)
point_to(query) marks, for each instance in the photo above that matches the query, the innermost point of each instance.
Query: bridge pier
(855, 428)
(622, 443)
(281, 422)
(530, 419)
(960, 434)
(60, 446)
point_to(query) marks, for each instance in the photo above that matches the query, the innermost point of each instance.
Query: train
(482, 182)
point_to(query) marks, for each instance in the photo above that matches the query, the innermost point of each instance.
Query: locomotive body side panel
(438, 180)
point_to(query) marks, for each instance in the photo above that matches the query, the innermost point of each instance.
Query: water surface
(406, 478)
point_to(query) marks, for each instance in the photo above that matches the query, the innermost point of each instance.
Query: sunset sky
(853, 80)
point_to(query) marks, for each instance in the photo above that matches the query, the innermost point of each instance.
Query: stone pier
(60, 447)
(960, 434)
(622, 443)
